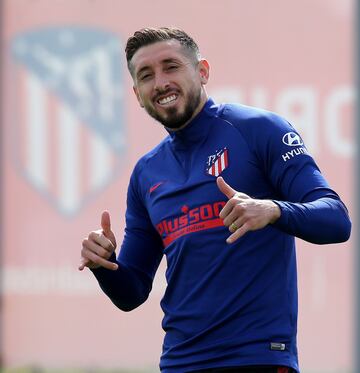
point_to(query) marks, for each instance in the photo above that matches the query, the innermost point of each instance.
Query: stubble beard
(173, 118)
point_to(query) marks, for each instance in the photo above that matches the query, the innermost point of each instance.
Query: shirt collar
(195, 130)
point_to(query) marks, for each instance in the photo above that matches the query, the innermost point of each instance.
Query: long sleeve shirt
(224, 305)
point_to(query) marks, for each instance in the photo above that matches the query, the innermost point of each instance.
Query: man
(231, 299)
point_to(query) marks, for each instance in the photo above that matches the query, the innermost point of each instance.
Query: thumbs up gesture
(243, 213)
(98, 247)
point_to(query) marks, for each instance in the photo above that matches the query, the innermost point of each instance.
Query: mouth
(167, 100)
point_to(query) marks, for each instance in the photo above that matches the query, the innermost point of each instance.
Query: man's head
(147, 36)
(168, 73)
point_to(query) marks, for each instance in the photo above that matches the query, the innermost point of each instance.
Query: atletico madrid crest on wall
(217, 162)
(69, 132)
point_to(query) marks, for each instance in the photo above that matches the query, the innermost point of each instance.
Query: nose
(161, 82)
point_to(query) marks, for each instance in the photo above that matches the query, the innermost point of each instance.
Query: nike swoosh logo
(155, 187)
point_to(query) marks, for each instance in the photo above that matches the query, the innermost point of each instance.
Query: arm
(310, 209)
(307, 208)
(321, 221)
(129, 283)
(126, 287)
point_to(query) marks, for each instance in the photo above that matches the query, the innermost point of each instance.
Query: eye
(172, 67)
(144, 77)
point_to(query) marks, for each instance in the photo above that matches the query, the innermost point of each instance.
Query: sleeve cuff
(283, 219)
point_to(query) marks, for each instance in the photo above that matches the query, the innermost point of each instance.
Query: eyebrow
(165, 61)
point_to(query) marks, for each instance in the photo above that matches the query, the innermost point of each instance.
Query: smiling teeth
(168, 99)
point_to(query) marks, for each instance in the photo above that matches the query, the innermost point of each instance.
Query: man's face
(168, 82)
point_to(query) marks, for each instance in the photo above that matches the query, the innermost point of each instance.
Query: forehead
(158, 52)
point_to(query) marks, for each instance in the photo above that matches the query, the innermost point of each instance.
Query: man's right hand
(98, 247)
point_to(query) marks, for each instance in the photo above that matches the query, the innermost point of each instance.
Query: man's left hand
(243, 213)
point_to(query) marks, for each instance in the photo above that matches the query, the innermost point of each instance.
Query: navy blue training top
(224, 305)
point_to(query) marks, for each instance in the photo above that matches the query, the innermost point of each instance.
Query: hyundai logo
(292, 139)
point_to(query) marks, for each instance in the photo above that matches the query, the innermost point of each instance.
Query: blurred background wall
(72, 131)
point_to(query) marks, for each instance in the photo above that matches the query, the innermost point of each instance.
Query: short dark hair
(151, 35)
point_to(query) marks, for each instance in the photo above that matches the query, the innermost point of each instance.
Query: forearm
(322, 221)
(126, 287)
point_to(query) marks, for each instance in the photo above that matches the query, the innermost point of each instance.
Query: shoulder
(249, 118)
(257, 126)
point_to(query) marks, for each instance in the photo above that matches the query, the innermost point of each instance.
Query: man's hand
(243, 213)
(98, 247)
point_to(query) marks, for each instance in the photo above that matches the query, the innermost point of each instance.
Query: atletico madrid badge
(217, 163)
(67, 112)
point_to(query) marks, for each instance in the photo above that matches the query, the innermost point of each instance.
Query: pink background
(291, 57)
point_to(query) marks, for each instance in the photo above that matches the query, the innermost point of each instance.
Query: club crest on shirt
(217, 163)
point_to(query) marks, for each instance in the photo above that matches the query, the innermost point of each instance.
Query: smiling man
(231, 299)
(168, 82)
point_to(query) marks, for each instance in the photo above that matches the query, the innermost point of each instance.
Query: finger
(94, 258)
(105, 243)
(235, 225)
(238, 233)
(106, 223)
(228, 208)
(97, 248)
(101, 240)
(225, 188)
(230, 217)
(84, 262)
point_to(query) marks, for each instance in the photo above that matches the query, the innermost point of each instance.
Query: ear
(138, 96)
(204, 70)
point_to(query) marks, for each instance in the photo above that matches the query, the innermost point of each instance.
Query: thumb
(105, 223)
(106, 227)
(225, 187)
